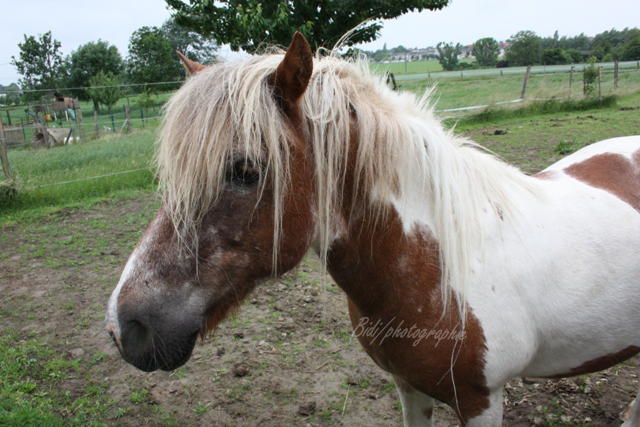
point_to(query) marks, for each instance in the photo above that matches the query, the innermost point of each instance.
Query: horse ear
(291, 78)
(189, 65)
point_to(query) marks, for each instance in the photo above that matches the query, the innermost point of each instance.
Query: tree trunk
(96, 106)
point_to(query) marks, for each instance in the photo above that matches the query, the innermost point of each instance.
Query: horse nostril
(133, 338)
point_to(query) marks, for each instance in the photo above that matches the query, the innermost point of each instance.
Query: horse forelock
(228, 110)
(223, 112)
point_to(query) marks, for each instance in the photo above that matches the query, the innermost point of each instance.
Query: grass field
(453, 93)
(49, 179)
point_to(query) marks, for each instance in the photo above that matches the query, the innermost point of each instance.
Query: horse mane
(227, 110)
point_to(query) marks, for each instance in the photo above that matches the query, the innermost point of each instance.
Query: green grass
(30, 392)
(489, 90)
(51, 179)
(537, 108)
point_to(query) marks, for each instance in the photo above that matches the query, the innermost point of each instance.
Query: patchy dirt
(287, 358)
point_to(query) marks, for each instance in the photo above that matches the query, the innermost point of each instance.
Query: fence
(464, 95)
(505, 88)
(124, 119)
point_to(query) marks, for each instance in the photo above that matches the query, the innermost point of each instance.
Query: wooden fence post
(600, 83)
(127, 115)
(615, 75)
(45, 135)
(80, 124)
(570, 80)
(3, 154)
(526, 81)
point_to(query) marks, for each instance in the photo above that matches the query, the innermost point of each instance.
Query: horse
(461, 272)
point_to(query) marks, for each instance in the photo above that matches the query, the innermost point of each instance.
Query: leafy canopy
(105, 88)
(39, 64)
(88, 61)
(250, 24)
(193, 45)
(486, 51)
(448, 55)
(525, 48)
(151, 57)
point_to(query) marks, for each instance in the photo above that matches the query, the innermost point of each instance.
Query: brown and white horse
(262, 159)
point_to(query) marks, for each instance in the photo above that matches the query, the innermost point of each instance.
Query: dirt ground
(286, 359)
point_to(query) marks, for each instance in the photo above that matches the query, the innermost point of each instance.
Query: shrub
(590, 77)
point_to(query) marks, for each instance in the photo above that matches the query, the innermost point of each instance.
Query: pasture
(286, 359)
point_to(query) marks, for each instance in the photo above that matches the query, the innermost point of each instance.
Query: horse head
(230, 216)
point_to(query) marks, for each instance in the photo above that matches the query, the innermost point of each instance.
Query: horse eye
(244, 172)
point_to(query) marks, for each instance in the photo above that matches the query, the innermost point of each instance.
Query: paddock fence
(456, 97)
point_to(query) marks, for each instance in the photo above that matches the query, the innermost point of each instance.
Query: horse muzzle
(150, 346)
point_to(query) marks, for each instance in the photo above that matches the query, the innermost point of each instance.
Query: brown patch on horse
(192, 67)
(601, 363)
(291, 78)
(613, 173)
(394, 278)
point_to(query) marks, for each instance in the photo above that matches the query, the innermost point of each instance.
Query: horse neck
(381, 236)
(391, 236)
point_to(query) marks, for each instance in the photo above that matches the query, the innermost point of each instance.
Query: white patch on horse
(554, 249)
(111, 319)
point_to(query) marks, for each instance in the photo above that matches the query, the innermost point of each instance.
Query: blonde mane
(228, 110)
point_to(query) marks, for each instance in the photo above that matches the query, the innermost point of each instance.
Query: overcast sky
(74, 23)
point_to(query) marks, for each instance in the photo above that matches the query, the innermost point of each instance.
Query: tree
(590, 77)
(380, 55)
(250, 24)
(525, 48)
(151, 58)
(88, 61)
(448, 55)
(40, 62)
(555, 56)
(576, 55)
(486, 51)
(580, 42)
(631, 50)
(191, 44)
(12, 94)
(105, 89)
(399, 49)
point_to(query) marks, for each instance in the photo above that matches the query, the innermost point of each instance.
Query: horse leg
(492, 416)
(417, 407)
(632, 415)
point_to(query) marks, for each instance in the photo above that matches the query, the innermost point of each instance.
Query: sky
(74, 23)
